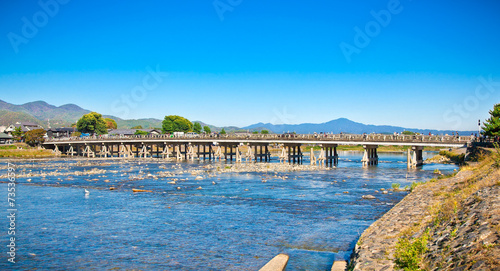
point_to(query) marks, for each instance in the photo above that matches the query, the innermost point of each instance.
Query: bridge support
(312, 158)
(144, 152)
(178, 154)
(166, 151)
(228, 151)
(104, 151)
(321, 157)
(56, 151)
(284, 155)
(88, 151)
(331, 155)
(71, 151)
(191, 153)
(294, 153)
(206, 149)
(415, 157)
(218, 153)
(370, 156)
(261, 151)
(249, 156)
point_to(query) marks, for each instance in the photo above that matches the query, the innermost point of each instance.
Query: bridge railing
(281, 137)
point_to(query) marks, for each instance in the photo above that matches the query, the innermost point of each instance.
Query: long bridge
(257, 146)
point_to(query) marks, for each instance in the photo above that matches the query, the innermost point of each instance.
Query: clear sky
(418, 64)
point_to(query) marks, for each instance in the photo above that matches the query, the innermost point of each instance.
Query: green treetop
(197, 127)
(492, 125)
(206, 129)
(18, 133)
(175, 123)
(92, 123)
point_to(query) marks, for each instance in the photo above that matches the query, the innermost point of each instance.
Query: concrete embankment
(457, 219)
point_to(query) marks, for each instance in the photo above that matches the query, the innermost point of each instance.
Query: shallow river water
(230, 221)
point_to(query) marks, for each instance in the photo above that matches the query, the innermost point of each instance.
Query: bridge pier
(415, 157)
(104, 151)
(260, 151)
(70, 150)
(331, 155)
(204, 151)
(144, 152)
(228, 151)
(294, 153)
(370, 156)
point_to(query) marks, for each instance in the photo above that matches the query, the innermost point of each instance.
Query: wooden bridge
(230, 147)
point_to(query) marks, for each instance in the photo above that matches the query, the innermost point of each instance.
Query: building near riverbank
(60, 132)
(5, 138)
(25, 127)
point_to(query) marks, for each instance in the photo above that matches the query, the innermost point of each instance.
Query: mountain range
(43, 113)
(47, 115)
(343, 125)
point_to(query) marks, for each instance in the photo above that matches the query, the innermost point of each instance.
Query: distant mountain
(63, 115)
(342, 125)
(145, 123)
(8, 117)
(60, 116)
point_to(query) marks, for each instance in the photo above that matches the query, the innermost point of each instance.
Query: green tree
(137, 127)
(206, 129)
(264, 132)
(222, 132)
(110, 123)
(197, 127)
(18, 134)
(92, 123)
(34, 137)
(407, 133)
(492, 125)
(175, 123)
(139, 132)
(255, 132)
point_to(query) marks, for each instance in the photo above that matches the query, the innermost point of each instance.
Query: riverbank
(447, 223)
(21, 150)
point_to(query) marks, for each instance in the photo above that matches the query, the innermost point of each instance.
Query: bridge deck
(382, 140)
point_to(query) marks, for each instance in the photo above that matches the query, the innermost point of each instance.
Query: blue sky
(420, 63)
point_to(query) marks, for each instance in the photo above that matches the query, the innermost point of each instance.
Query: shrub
(395, 186)
(414, 185)
(410, 251)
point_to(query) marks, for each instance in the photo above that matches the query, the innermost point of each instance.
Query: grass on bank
(21, 150)
(410, 248)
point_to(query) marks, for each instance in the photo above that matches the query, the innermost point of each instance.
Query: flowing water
(230, 221)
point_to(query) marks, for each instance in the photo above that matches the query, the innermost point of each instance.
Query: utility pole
(479, 128)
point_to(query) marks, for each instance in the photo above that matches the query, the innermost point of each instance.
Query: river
(225, 221)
